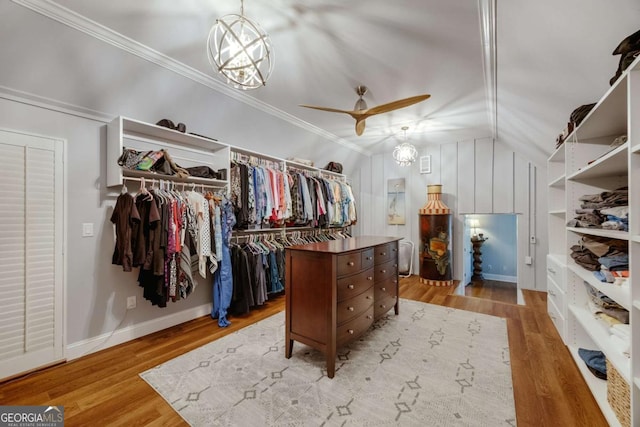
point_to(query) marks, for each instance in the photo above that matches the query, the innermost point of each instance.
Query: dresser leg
(288, 349)
(396, 308)
(331, 366)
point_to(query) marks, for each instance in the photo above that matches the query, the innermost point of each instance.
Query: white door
(31, 258)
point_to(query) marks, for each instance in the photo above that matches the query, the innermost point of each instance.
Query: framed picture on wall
(425, 164)
(395, 202)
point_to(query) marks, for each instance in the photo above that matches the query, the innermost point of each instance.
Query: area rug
(428, 366)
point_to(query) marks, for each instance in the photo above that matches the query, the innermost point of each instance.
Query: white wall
(477, 176)
(62, 83)
(58, 82)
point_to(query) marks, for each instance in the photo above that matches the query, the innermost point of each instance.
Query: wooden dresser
(336, 289)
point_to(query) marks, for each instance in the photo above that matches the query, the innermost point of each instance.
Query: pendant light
(240, 50)
(404, 154)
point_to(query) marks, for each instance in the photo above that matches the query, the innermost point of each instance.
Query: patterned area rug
(429, 366)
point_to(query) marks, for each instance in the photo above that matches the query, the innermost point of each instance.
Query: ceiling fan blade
(401, 103)
(332, 110)
(360, 126)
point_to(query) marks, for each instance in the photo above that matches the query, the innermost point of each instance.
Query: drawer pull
(394, 250)
(395, 281)
(350, 286)
(350, 308)
(350, 331)
(395, 265)
(384, 271)
(383, 306)
(384, 289)
(369, 278)
(553, 294)
(383, 253)
(368, 258)
(351, 264)
(369, 316)
(551, 270)
(368, 296)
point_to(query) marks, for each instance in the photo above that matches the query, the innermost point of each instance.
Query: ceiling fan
(360, 111)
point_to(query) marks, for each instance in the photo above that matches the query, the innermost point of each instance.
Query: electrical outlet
(131, 302)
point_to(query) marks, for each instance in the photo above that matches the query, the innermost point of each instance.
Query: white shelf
(609, 116)
(614, 234)
(613, 163)
(598, 331)
(186, 149)
(620, 294)
(558, 212)
(598, 388)
(635, 238)
(558, 155)
(558, 182)
(635, 149)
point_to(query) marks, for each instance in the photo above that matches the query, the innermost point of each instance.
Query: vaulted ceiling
(514, 69)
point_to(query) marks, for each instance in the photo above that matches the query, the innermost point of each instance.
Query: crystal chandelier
(404, 154)
(240, 50)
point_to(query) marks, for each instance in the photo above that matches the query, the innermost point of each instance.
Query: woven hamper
(618, 395)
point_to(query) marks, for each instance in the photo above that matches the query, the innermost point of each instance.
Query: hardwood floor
(493, 290)
(104, 388)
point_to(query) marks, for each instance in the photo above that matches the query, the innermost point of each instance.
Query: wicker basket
(618, 395)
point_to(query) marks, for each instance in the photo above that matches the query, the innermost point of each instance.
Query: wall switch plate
(87, 229)
(528, 260)
(131, 302)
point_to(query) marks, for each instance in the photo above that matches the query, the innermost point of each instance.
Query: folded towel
(620, 345)
(625, 329)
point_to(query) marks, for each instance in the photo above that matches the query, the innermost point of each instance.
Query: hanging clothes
(223, 277)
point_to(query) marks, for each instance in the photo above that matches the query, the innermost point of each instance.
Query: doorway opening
(491, 256)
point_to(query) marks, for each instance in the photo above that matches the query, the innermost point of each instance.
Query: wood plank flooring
(104, 388)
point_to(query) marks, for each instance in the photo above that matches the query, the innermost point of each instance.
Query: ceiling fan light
(241, 51)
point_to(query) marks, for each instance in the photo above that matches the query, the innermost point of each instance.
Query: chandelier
(240, 50)
(404, 154)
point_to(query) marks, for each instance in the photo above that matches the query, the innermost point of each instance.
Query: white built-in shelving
(185, 149)
(589, 162)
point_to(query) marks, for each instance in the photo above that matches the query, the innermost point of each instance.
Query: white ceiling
(551, 56)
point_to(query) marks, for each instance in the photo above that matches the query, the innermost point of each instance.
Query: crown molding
(74, 20)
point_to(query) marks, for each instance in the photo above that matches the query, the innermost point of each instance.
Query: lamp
(474, 224)
(404, 154)
(240, 50)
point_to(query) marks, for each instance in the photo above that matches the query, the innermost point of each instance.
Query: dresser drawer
(386, 252)
(355, 327)
(383, 305)
(386, 270)
(386, 288)
(349, 263)
(352, 307)
(557, 270)
(367, 258)
(555, 294)
(353, 285)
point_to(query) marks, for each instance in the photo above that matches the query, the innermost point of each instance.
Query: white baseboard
(119, 336)
(500, 278)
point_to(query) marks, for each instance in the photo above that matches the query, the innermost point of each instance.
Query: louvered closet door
(31, 236)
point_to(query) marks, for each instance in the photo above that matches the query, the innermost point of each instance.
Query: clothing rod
(184, 183)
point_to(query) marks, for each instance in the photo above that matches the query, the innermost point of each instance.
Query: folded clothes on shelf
(595, 361)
